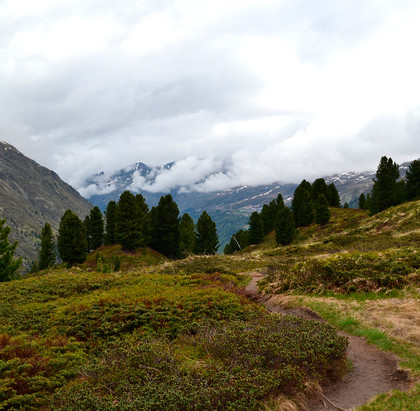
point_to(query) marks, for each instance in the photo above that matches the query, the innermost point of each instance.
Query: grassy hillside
(160, 334)
(155, 336)
(360, 273)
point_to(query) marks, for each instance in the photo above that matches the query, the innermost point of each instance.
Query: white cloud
(265, 90)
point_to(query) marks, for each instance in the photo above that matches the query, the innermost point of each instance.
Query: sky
(247, 91)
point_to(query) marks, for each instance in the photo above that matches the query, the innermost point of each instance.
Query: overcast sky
(264, 90)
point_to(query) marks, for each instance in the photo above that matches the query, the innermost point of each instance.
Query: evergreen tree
(269, 212)
(284, 226)
(333, 197)
(368, 202)
(128, 230)
(319, 186)
(362, 201)
(206, 241)
(412, 176)
(322, 213)
(110, 219)
(385, 191)
(345, 205)
(142, 217)
(186, 235)
(237, 242)
(87, 224)
(71, 240)
(165, 227)
(255, 228)
(46, 256)
(8, 265)
(302, 206)
(96, 228)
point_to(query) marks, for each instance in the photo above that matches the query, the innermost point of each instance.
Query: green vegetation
(186, 235)
(8, 264)
(47, 252)
(83, 339)
(284, 227)
(206, 241)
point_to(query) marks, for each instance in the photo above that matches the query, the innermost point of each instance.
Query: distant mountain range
(229, 208)
(30, 196)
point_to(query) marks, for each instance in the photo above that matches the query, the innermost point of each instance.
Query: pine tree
(87, 224)
(319, 186)
(284, 226)
(255, 228)
(165, 227)
(385, 191)
(129, 231)
(302, 206)
(237, 242)
(110, 219)
(412, 176)
(333, 197)
(362, 201)
(142, 217)
(322, 213)
(96, 228)
(186, 235)
(8, 265)
(207, 241)
(71, 240)
(269, 212)
(46, 256)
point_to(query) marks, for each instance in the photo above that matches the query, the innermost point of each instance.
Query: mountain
(230, 208)
(30, 196)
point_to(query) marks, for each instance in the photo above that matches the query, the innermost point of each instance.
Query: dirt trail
(374, 372)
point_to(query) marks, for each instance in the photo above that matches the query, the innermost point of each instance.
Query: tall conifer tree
(385, 191)
(8, 264)
(319, 186)
(284, 226)
(96, 228)
(302, 206)
(333, 196)
(186, 235)
(46, 256)
(128, 230)
(255, 228)
(87, 224)
(207, 241)
(269, 212)
(165, 227)
(412, 186)
(322, 213)
(110, 219)
(71, 240)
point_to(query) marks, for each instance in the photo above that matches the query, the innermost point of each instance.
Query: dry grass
(398, 317)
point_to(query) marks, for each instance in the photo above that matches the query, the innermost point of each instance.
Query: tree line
(129, 222)
(389, 189)
(310, 204)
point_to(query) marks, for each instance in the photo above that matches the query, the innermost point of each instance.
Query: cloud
(243, 92)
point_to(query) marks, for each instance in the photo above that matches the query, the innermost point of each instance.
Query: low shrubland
(346, 273)
(138, 340)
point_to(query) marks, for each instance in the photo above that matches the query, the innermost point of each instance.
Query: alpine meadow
(134, 309)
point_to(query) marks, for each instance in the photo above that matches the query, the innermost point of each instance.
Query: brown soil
(374, 371)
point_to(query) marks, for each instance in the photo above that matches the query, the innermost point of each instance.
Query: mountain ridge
(30, 196)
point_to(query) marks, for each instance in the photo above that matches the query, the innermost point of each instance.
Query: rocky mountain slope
(30, 196)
